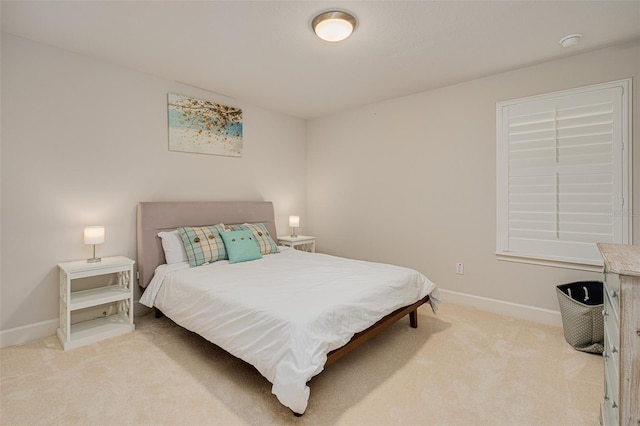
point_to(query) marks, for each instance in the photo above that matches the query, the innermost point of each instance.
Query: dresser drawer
(611, 362)
(612, 288)
(611, 339)
(609, 414)
(611, 311)
(609, 406)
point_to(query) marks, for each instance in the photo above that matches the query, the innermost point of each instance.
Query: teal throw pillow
(241, 246)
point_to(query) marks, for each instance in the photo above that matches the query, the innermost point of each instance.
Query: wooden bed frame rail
(359, 338)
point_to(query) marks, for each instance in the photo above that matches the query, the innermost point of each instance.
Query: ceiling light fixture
(570, 40)
(334, 25)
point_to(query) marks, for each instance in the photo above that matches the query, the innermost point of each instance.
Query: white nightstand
(111, 287)
(301, 242)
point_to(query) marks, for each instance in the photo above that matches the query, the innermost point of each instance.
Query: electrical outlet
(460, 268)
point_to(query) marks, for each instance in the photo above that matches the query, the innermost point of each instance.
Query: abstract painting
(204, 127)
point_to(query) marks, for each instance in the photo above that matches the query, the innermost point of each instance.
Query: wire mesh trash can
(581, 305)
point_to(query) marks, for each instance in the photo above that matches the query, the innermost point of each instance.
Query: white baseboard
(526, 312)
(28, 333)
(31, 332)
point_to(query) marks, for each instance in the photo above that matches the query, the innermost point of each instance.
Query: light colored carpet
(460, 367)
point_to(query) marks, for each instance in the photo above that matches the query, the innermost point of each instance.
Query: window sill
(555, 263)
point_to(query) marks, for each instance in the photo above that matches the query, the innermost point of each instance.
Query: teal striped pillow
(203, 244)
(262, 237)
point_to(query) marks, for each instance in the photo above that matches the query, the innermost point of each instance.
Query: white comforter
(284, 312)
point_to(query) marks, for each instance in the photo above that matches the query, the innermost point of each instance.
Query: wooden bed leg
(413, 318)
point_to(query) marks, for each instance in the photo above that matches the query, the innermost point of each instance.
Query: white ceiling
(265, 53)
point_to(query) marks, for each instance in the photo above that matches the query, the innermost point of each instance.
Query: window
(564, 175)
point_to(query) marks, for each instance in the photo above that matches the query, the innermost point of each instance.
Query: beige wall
(408, 181)
(83, 141)
(412, 180)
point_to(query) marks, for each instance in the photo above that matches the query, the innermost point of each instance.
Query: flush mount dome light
(334, 25)
(571, 40)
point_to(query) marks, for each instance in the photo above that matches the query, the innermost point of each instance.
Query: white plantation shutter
(564, 173)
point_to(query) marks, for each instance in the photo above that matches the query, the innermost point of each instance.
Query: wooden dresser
(621, 401)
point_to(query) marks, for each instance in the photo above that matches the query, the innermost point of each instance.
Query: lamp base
(94, 259)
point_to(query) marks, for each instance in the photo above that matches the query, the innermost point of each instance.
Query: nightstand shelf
(110, 293)
(87, 332)
(97, 296)
(300, 242)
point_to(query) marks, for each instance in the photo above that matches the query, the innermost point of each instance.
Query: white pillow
(173, 248)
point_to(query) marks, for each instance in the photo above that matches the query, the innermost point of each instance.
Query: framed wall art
(204, 127)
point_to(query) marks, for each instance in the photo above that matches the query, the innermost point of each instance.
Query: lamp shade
(294, 221)
(94, 235)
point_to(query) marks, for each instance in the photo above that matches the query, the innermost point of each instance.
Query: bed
(289, 314)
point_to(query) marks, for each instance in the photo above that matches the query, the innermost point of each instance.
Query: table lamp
(94, 235)
(294, 222)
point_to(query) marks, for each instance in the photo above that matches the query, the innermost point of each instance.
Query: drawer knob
(614, 293)
(614, 349)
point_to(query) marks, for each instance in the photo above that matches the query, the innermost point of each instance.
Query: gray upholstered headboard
(156, 216)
